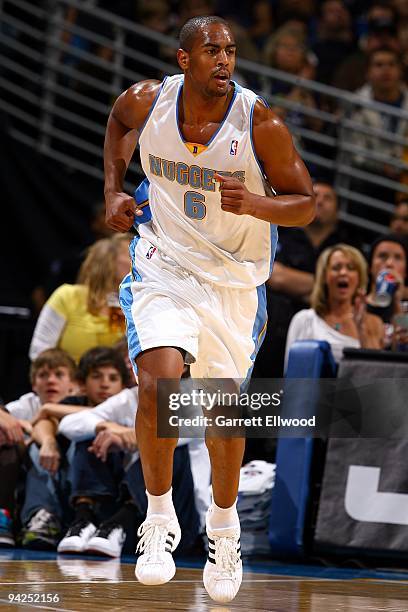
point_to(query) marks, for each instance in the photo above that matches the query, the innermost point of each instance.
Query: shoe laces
(152, 538)
(226, 556)
(39, 520)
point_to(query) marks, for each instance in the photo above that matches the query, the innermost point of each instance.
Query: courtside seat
(291, 493)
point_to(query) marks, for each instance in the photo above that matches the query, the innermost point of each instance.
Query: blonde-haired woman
(338, 314)
(79, 317)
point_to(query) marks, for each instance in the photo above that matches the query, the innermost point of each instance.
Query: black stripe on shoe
(212, 542)
(210, 559)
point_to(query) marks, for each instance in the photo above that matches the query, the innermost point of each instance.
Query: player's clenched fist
(120, 211)
(235, 197)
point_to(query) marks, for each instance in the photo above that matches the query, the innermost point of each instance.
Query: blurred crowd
(359, 46)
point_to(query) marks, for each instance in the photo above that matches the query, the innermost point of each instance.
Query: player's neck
(195, 109)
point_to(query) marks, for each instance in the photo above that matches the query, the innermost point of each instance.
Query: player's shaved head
(195, 25)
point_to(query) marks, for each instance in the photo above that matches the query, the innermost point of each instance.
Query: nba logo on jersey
(151, 252)
(234, 147)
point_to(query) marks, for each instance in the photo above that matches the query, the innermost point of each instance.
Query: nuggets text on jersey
(183, 174)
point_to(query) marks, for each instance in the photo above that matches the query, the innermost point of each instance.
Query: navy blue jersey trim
(237, 89)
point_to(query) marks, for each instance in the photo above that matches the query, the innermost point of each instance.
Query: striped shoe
(223, 569)
(159, 537)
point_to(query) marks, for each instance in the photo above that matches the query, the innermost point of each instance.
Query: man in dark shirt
(291, 282)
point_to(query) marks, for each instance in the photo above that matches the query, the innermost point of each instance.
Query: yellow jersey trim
(195, 148)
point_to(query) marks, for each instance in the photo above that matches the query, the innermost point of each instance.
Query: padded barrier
(363, 506)
(291, 493)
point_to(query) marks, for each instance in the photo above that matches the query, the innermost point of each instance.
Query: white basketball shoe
(159, 537)
(223, 569)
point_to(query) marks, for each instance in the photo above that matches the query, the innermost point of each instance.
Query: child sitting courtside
(101, 374)
(52, 377)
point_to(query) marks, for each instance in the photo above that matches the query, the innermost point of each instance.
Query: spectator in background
(389, 253)
(334, 40)
(86, 21)
(52, 378)
(195, 8)
(384, 84)
(154, 15)
(87, 314)
(88, 72)
(291, 283)
(299, 10)
(399, 220)
(326, 228)
(101, 373)
(106, 460)
(12, 451)
(121, 347)
(65, 269)
(287, 51)
(262, 23)
(401, 10)
(338, 314)
(381, 34)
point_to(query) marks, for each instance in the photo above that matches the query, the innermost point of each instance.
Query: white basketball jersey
(187, 222)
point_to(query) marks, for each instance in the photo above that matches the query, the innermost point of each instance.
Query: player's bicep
(281, 163)
(289, 177)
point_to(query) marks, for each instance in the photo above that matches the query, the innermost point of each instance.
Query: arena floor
(75, 584)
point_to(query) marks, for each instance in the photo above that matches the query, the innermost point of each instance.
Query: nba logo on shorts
(234, 147)
(151, 252)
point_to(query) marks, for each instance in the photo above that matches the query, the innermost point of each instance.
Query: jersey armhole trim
(152, 106)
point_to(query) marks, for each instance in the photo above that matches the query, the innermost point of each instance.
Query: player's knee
(147, 397)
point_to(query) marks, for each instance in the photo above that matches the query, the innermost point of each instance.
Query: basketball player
(196, 293)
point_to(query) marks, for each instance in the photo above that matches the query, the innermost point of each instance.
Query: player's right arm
(126, 119)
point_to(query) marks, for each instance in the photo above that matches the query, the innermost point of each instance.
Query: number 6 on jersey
(194, 206)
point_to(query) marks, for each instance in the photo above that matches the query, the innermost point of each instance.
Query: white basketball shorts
(219, 328)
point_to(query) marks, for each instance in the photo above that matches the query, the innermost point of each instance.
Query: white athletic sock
(222, 518)
(161, 504)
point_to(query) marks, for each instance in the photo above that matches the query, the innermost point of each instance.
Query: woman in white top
(338, 314)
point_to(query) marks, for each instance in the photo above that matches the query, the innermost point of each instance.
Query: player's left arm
(294, 204)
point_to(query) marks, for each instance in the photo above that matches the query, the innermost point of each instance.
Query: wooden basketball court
(72, 584)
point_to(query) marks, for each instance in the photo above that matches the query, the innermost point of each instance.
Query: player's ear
(183, 59)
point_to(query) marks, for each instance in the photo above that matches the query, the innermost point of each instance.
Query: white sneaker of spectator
(107, 540)
(77, 537)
